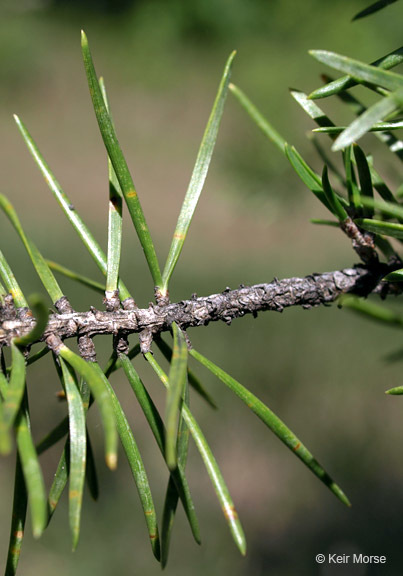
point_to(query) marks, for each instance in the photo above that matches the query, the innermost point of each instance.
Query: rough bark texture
(307, 292)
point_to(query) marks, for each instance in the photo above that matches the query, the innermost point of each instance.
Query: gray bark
(313, 290)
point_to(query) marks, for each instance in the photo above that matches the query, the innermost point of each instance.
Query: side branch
(307, 292)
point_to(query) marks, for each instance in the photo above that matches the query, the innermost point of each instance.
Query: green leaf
(379, 5)
(3, 291)
(42, 269)
(88, 371)
(371, 310)
(31, 470)
(274, 423)
(59, 480)
(198, 176)
(172, 496)
(90, 468)
(364, 174)
(61, 475)
(342, 84)
(359, 71)
(390, 209)
(79, 226)
(336, 207)
(85, 392)
(366, 121)
(157, 427)
(61, 429)
(380, 186)
(5, 437)
(395, 391)
(322, 222)
(192, 378)
(77, 442)
(217, 480)
(335, 201)
(11, 283)
(114, 363)
(396, 276)
(119, 164)
(15, 389)
(132, 454)
(323, 120)
(115, 218)
(136, 466)
(380, 227)
(261, 122)
(147, 405)
(385, 247)
(63, 469)
(177, 383)
(3, 385)
(41, 313)
(354, 196)
(20, 502)
(168, 517)
(381, 127)
(387, 137)
(306, 174)
(91, 471)
(97, 286)
(211, 465)
(312, 110)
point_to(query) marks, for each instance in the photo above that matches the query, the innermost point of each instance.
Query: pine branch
(313, 290)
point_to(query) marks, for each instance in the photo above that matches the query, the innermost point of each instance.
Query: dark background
(323, 371)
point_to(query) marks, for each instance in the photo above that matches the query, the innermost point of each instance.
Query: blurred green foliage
(177, 49)
(162, 61)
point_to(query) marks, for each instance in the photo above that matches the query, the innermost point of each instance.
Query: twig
(307, 292)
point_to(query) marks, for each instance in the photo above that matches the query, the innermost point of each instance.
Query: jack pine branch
(313, 290)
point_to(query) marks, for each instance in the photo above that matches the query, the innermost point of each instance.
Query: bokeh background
(323, 371)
